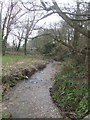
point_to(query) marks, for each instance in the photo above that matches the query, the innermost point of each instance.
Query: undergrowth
(70, 89)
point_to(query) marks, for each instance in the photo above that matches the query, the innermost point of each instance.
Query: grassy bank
(10, 59)
(16, 68)
(70, 90)
(19, 67)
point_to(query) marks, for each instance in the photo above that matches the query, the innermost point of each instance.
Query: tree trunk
(4, 43)
(25, 47)
(3, 47)
(76, 37)
(76, 33)
(18, 47)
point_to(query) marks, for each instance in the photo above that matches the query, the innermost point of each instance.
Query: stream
(31, 98)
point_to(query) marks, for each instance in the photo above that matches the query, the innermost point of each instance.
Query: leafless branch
(72, 23)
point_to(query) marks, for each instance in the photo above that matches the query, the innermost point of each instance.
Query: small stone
(26, 77)
(5, 108)
(35, 82)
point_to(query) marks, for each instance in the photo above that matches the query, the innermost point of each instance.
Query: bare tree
(19, 36)
(34, 15)
(1, 4)
(8, 21)
(73, 23)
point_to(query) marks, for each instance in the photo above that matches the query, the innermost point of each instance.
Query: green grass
(12, 59)
(6, 115)
(70, 91)
(0, 96)
(0, 59)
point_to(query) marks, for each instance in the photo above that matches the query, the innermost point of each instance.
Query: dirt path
(31, 98)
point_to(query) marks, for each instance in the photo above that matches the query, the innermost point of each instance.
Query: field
(12, 59)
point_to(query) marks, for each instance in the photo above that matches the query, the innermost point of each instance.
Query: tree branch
(72, 23)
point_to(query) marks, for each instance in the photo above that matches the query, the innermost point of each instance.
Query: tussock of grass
(6, 115)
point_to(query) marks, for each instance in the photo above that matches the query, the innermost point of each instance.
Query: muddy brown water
(31, 98)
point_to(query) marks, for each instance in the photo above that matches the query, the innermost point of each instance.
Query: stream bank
(31, 98)
(18, 72)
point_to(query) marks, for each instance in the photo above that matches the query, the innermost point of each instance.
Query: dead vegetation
(19, 71)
